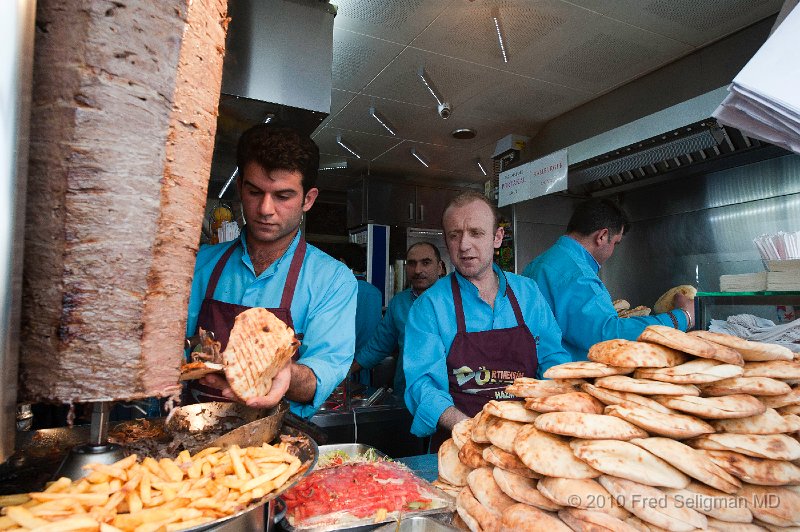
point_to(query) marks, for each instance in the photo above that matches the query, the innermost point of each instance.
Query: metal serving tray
(418, 524)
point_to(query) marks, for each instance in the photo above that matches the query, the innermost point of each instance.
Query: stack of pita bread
(674, 431)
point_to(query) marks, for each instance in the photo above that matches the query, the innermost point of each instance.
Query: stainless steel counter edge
(371, 414)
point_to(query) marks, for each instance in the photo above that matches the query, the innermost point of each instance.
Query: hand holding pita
(680, 301)
(280, 384)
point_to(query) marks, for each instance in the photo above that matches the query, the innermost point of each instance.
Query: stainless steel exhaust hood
(278, 63)
(667, 144)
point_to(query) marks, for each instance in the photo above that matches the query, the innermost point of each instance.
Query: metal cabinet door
(391, 203)
(431, 202)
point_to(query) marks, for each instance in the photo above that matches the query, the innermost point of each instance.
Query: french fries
(153, 495)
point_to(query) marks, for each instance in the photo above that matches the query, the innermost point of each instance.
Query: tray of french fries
(190, 492)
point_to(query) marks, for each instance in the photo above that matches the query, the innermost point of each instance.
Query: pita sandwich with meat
(529, 387)
(524, 517)
(661, 334)
(667, 513)
(750, 351)
(769, 446)
(593, 521)
(697, 371)
(626, 460)
(522, 489)
(501, 433)
(510, 410)
(752, 470)
(588, 426)
(613, 397)
(508, 461)
(690, 461)
(549, 455)
(451, 469)
(622, 383)
(749, 385)
(627, 354)
(565, 402)
(723, 407)
(768, 422)
(774, 369)
(583, 370)
(677, 426)
(713, 503)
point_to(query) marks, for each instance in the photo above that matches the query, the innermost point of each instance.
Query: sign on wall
(543, 176)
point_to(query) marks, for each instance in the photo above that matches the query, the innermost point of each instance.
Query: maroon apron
(218, 316)
(481, 364)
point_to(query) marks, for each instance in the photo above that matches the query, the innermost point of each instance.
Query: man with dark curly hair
(271, 266)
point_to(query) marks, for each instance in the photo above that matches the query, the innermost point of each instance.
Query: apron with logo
(218, 316)
(481, 364)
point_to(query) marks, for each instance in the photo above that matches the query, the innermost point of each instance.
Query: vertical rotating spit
(96, 450)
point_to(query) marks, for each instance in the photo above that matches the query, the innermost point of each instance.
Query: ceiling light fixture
(482, 169)
(418, 156)
(444, 108)
(347, 146)
(267, 120)
(499, 30)
(334, 166)
(382, 120)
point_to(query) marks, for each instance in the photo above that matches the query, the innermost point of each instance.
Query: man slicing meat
(476, 330)
(271, 266)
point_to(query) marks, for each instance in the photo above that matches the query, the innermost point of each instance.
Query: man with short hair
(424, 266)
(271, 266)
(567, 275)
(476, 330)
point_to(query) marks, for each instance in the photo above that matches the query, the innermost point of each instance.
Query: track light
(418, 156)
(443, 107)
(334, 166)
(499, 30)
(382, 120)
(346, 145)
(480, 166)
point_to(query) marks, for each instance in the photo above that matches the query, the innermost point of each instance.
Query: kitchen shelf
(704, 299)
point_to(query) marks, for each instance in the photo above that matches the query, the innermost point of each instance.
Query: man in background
(567, 275)
(370, 301)
(424, 266)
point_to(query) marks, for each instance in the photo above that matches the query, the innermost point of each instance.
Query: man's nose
(266, 207)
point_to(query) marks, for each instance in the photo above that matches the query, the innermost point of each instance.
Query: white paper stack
(783, 275)
(228, 231)
(745, 282)
(764, 100)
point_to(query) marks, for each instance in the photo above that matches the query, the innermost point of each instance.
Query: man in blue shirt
(370, 300)
(424, 266)
(271, 266)
(476, 330)
(567, 275)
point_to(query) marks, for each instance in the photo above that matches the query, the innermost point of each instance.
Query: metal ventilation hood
(674, 142)
(278, 61)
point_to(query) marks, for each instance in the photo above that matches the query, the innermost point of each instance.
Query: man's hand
(280, 384)
(684, 303)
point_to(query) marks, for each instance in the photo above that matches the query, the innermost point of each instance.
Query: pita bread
(643, 386)
(661, 334)
(750, 351)
(462, 430)
(690, 461)
(459, 523)
(713, 502)
(749, 385)
(589, 426)
(485, 489)
(778, 401)
(593, 521)
(474, 513)
(769, 422)
(774, 369)
(625, 460)
(549, 455)
(259, 346)
(643, 526)
(522, 489)
(620, 304)
(586, 494)
(613, 397)
(789, 409)
(583, 370)
(639, 500)
(446, 487)
(508, 461)
(627, 354)
(697, 371)
(510, 410)
(481, 420)
(524, 518)
(724, 407)
(728, 526)
(451, 469)
(471, 455)
(641, 310)
(672, 425)
(773, 505)
(528, 387)
(501, 433)
(756, 470)
(195, 370)
(770, 446)
(565, 402)
(665, 302)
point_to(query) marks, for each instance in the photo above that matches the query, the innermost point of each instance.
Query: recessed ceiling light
(464, 133)
(347, 146)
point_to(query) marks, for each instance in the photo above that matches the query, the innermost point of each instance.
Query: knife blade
(252, 434)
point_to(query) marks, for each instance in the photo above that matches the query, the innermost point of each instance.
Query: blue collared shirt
(323, 308)
(432, 326)
(368, 312)
(567, 275)
(389, 337)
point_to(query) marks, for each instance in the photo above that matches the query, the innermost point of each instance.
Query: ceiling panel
(367, 146)
(358, 58)
(396, 20)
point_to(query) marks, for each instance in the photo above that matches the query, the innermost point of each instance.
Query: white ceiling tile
(358, 58)
(394, 20)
